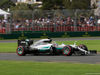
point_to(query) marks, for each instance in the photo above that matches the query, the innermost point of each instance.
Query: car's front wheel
(82, 46)
(21, 51)
(67, 50)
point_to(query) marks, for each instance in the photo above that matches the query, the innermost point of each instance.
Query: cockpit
(43, 42)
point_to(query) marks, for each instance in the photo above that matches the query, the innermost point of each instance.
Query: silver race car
(46, 46)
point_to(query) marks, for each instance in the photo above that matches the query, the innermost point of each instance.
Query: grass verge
(8, 47)
(47, 68)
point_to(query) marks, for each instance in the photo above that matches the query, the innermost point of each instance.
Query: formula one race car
(46, 46)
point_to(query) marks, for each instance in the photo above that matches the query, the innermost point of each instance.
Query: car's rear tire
(21, 51)
(67, 50)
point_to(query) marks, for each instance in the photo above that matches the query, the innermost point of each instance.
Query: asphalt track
(93, 59)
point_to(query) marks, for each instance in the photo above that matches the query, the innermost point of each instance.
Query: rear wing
(25, 42)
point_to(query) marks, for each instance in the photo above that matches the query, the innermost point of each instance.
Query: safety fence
(58, 29)
(50, 21)
(3, 30)
(52, 29)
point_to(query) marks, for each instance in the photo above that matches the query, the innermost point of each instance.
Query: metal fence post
(55, 26)
(96, 22)
(75, 24)
(6, 28)
(33, 20)
(10, 23)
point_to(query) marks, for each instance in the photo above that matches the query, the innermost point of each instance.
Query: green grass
(46, 68)
(91, 44)
(8, 47)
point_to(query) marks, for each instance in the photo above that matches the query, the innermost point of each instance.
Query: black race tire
(67, 50)
(83, 47)
(21, 51)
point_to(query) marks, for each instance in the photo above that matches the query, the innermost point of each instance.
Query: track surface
(74, 58)
(93, 59)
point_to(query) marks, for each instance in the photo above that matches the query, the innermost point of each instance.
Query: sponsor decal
(23, 42)
(86, 35)
(66, 35)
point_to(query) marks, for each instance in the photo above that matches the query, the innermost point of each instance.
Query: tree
(20, 6)
(77, 4)
(47, 6)
(5, 4)
(94, 6)
(33, 6)
(21, 11)
(51, 4)
(25, 6)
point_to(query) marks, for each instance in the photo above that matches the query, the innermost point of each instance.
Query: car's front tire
(21, 51)
(67, 50)
(82, 46)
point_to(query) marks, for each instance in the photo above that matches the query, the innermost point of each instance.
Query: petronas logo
(65, 33)
(44, 34)
(22, 34)
(86, 34)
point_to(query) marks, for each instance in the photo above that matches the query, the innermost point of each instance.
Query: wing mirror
(75, 43)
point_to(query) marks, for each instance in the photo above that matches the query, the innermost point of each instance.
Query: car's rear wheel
(21, 51)
(67, 50)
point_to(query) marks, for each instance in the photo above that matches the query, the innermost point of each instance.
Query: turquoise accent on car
(44, 48)
(59, 48)
(66, 52)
